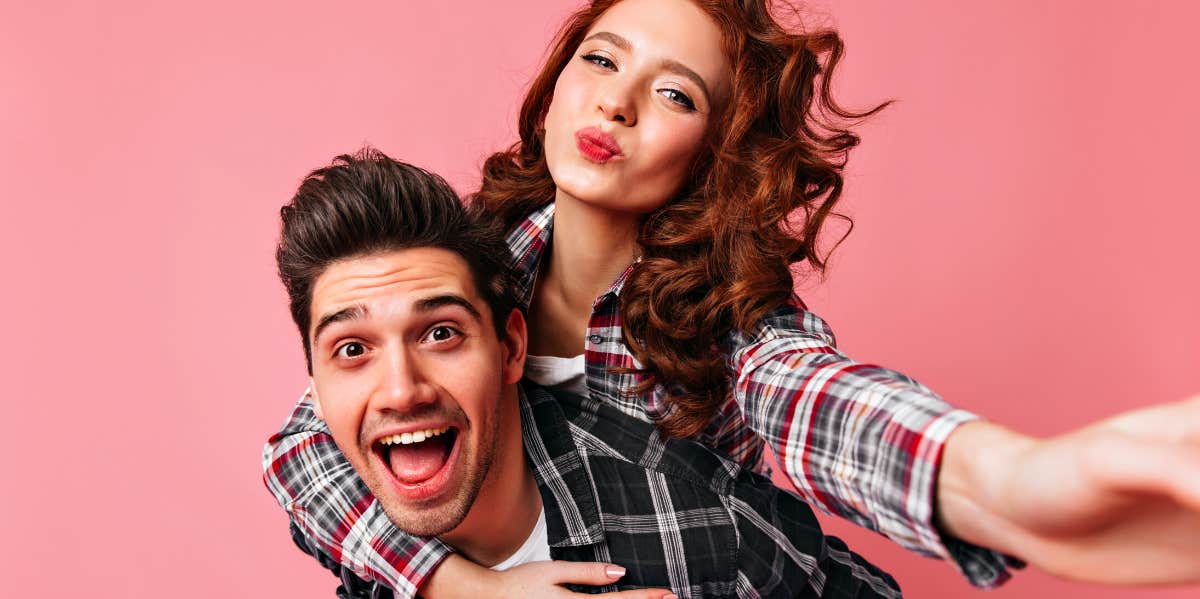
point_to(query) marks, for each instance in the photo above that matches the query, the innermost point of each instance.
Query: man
(415, 346)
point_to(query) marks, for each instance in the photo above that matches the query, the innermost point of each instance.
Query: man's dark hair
(369, 203)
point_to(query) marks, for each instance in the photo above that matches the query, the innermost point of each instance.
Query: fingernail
(615, 572)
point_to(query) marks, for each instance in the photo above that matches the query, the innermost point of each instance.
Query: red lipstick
(596, 145)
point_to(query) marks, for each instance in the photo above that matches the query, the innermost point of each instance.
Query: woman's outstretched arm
(857, 440)
(1117, 502)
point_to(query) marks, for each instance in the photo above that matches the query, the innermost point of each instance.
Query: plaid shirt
(679, 516)
(857, 440)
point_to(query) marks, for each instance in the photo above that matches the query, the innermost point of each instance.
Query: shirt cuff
(378, 559)
(982, 567)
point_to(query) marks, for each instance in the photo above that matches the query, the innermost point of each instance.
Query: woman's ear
(513, 347)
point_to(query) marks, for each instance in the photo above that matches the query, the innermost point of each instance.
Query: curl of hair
(717, 257)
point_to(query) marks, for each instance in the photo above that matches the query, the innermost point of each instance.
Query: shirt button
(595, 339)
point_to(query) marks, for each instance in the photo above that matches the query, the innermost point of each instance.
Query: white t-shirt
(561, 373)
(536, 548)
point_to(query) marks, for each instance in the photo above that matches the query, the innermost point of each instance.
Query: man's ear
(513, 347)
(316, 401)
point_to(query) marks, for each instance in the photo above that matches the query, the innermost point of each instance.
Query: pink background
(1024, 242)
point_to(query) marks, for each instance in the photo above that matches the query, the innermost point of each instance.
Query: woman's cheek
(672, 141)
(568, 98)
(559, 136)
(670, 151)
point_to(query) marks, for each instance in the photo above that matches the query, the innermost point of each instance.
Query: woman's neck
(590, 248)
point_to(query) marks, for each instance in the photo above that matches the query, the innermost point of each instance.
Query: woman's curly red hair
(717, 257)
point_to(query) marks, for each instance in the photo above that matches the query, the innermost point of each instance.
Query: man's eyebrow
(438, 301)
(355, 312)
(667, 64)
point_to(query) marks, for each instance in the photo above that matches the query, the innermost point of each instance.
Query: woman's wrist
(456, 577)
(977, 466)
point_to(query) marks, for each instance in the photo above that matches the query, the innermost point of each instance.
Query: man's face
(409, 376)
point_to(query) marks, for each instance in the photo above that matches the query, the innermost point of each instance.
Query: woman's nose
(616, 103)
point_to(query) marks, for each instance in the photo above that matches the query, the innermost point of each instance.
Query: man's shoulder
(601, 430)
(692, 517)
(621, 451)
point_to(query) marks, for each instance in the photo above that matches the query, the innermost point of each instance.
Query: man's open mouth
(416, 456)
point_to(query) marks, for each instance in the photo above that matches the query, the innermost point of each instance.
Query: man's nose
(403, 386)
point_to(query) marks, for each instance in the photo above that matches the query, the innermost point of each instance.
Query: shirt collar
(529, 240)
(568, 495)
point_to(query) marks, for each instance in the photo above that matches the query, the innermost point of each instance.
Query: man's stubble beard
(451, 513)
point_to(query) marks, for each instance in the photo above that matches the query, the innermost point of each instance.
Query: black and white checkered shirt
(673, 513)
(855, 440)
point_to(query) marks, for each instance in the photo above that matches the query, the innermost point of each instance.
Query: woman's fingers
(589, 573)
(642, 594)
(592, 574)
(1176, 422)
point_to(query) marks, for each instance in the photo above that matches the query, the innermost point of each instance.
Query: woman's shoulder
(790, 320)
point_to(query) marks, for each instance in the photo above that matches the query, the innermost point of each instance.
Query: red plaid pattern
(857, 440)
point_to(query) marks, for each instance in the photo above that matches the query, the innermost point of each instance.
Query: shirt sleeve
(334, 510)
(858, 441)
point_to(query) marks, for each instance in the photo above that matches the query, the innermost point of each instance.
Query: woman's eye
(351, 350)
(440, 334)
(600, 61)
(678, 97)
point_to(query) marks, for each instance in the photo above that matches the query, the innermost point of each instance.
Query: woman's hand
(1117, 502)
(459, 578)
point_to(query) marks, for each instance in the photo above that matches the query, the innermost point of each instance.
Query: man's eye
(351, 350)
(441, 333)
(600, 61)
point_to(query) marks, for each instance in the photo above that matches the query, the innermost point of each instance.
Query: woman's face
(631, 108)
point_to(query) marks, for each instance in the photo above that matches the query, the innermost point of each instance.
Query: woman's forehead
(676, 30)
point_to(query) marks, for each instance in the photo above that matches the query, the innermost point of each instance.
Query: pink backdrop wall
(1025, 242)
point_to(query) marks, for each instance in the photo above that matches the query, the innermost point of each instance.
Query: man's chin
(429, 507)
(428, 521)
(428, 512)
(439, 500)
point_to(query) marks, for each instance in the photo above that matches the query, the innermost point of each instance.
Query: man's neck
(506, 509)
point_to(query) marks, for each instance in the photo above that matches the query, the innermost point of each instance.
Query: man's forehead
(400, 276)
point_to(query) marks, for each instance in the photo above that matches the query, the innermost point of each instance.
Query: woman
(675, 139)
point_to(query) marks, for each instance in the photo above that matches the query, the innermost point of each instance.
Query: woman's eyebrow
(612, 38)
(674, 66)
(667, 64)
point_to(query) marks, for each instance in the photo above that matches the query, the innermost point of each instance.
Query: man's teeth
(413, 436)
